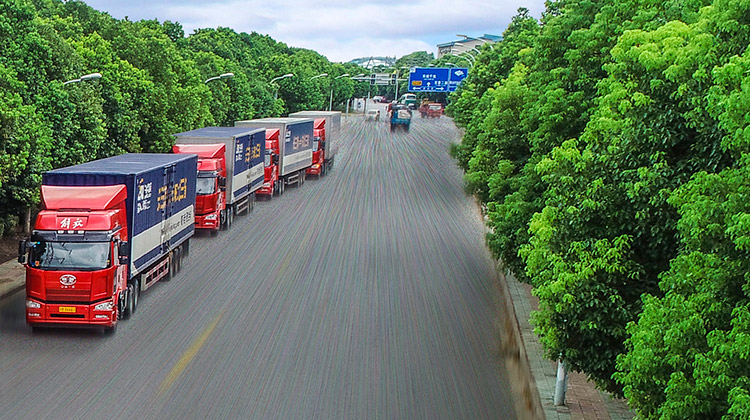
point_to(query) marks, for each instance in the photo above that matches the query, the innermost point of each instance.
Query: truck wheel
(281, 187)
(251, 203)
(178, 259)
(128, 310)
(223, 220)
(230, 216)
(136, 295)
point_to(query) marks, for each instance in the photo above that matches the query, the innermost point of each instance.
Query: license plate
(67, 309)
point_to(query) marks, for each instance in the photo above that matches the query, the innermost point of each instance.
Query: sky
(341, 30)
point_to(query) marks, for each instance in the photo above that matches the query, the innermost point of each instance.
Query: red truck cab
(211, 198)
(271, 185)
(319, 153)
(76, 272)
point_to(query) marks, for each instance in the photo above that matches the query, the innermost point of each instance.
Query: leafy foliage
(610, 152)
(152, 86)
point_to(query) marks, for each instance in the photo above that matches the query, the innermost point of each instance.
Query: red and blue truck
(326, 133)
(230, 171)
(109, 229)
(289, 151)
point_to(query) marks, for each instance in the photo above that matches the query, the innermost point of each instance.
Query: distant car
(431, 110)
(372, 114)
(378, 99)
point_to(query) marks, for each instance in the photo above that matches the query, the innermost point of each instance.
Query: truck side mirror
(22, 249)
(123, 252)
(322, 145)
(275, 159)
(222, 182)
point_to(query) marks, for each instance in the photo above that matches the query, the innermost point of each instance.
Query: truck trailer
(292, 151)
(109, 229)
(230, 170)
(327, 129)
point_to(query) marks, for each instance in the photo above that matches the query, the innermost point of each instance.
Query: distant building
(370, 62)
(466, 44)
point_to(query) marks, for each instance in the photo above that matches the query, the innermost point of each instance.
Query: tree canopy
(152, 86)
(608, 144)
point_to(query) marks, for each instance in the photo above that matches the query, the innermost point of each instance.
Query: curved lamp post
(320, 75)
(221, 76)
(92, 76)
(330, 102)
(276, 93)
(483, 41)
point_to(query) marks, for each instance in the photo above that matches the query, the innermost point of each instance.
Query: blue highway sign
(436, 79)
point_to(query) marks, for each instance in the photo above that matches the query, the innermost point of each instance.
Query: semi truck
(327, 128)
(289, 148)
(108, 230)
(230, 171)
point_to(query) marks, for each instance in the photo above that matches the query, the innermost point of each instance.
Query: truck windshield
(205, 185)
(71, 255)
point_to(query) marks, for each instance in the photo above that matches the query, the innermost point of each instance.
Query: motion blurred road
(366, 294)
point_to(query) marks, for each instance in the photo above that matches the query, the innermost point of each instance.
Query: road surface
(367, 294)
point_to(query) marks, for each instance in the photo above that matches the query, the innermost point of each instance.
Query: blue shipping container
(160, 202)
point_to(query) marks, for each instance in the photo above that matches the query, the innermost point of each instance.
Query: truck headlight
(211, 216)
(104, 306)
(33, 305)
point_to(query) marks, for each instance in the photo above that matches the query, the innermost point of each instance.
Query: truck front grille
(67, 316)
(68, 295)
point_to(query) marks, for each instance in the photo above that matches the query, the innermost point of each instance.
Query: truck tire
(281, 186)
(136, 294)
(223, 220)
(178, 260)
(129, 296)
(250, 204)
(230, 216)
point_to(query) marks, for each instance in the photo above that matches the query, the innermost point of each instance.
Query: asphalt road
(367, 294)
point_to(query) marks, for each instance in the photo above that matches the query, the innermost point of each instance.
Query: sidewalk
(12, 278)
(583, 401)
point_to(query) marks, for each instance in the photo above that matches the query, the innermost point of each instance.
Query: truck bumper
(265, 189)
(69, 315)
(207, 221)
(314, 170)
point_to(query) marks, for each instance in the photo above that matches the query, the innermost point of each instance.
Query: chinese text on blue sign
(436, 79)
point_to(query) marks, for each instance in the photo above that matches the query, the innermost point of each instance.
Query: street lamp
(483, 41)
(276, 94)
(221, 76)
(330, 102)
(467, 49)
(320, 75)
(92, 76)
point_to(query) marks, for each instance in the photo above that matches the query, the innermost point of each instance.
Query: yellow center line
(188, 356)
